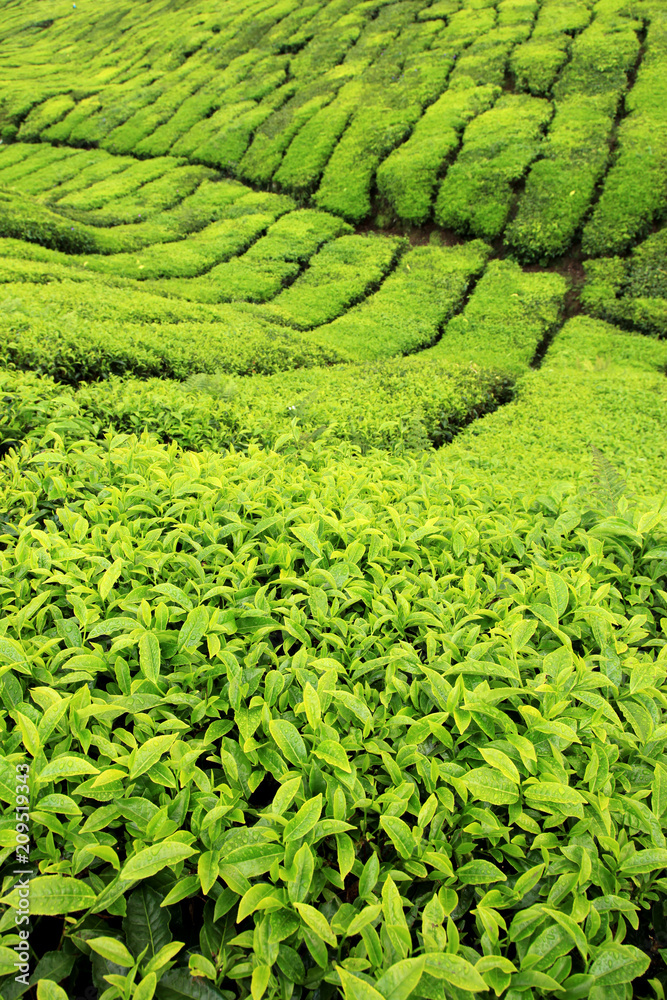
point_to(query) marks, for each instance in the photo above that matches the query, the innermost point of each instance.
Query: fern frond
(610, 485)
(219, 386)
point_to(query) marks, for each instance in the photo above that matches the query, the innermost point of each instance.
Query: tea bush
(118, 186)
(272, 259)
(408, 177)
(630, 291)
(308, 153)
(633, 194)
(536, 62)
(476, 193)
(342, 273)
(401, 404)
(456, 764)
(596, 386)
(345, 186)
(560, 186)
(508, 317)
(44, 115)
(406, 314)
(166, 340)
(144, 123)
(187, 258)
(333, 562)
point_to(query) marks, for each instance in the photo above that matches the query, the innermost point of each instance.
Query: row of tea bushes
(61, 329)
(575, 153)
(117, 203)
(26, 219)
(407, 178)
(323, 130)
(599, 387)
(397, 405)
(402, 75)
(485, 61)
(272, 260)
(536, 63)
(344, 272)
(359, 297)
(508, 319)
(408, 311)
(631, 291)
(121, 100)
(110, 203)
(477, 42)
(477, 192)
(634, 190)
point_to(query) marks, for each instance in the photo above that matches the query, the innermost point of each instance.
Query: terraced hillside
(333, 525)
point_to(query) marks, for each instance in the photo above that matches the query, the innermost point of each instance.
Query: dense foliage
(333, 524)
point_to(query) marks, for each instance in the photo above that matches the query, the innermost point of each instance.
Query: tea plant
(333, 542)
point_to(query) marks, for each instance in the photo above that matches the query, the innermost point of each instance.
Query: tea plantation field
(333, 500)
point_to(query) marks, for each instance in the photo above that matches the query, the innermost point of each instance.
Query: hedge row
(560, 186)
(509, 316)
(23, 159)
(634, 193)
(399, 404)
(63, 331)
(476, 43)
(259, 273)
(476, 194)
(631, 291)
(134, 195)
(128, 137)
(344, 272)
(599, 387)
(401, 74)
(407, 312)
(536, 63)
(28, 219)
(324, 129)
(486, 60)
(407, 178)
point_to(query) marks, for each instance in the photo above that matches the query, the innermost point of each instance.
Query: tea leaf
(153, 859)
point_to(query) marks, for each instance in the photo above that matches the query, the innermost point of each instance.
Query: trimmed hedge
(98, 166)
(310, 150)
(186, 258)
(407, 179)
(61, 228)
(160, 194)
(398, 405)
(476, 194)
(344, 272)
(599, 387)
(561, 185)
(259, 273)
(42, 115)
(506, 319)
(272, 138)
(142, 125)
(407, 312)
(193, 109)
(536, 63)
(632, 292)
(98, 195)
(635, 189)
(28, 158)
(346, 184)
(62, 331)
